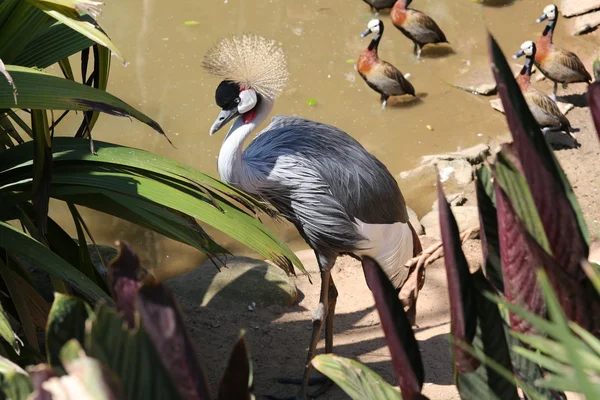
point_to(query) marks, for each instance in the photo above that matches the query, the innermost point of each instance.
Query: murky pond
(321, 38)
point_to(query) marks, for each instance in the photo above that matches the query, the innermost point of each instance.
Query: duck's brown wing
(428, 27)
(394, 82)
(572, 61)
(549, 107)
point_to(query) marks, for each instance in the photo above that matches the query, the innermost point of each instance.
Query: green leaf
(52, 44)
(131, 355)
(39, 91)
(17, 296)
(191, 23)
(488, 221)
(100, 81)
(490, 337)
(14, 381)
(67, 320)
(586, 386)
(42, 257)
(85, 261)
(354, 378)
(7, 332)
(19, 25)
(99, 381)
(71, 18)
(42, 167)
(123, 173)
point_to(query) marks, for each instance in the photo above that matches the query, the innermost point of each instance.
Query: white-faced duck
(558, 65)
(381, 76)
(416, 25)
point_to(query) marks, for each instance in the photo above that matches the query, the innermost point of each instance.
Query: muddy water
(321, 37)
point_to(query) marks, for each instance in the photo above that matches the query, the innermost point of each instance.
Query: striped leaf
(358, 381)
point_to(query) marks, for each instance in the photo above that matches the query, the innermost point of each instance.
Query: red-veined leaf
(399, 336)
(553, 196)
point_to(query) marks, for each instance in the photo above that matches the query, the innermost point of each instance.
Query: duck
(416, 25)
(379, 5)
(381, 76)
(558, 65)
(544, 110)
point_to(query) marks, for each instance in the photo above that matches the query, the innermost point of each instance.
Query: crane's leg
(554, 91)
(419, 53)
(415, 47)
(332, 300)
(319, 315)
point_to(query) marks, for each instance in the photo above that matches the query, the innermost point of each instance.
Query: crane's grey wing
(330, 159)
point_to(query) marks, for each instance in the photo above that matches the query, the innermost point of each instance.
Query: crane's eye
(237, 100)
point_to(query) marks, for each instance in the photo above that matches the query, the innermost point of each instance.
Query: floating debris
(311, 102)
(190, 23)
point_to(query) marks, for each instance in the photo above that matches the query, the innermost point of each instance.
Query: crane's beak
(542, 18)
(519, 54)
(365, 33)
(224, 117)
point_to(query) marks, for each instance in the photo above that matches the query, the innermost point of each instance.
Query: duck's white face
(551, 12)
(374, 26)
(527, 48)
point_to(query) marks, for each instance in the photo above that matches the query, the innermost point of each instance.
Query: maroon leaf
(518, 263)
(550, 189)
(521, 255)
(463, 310)
(124, 280)
(593, 99)
(40, 374)
(236, 382)
(400, 338)
(162, 321)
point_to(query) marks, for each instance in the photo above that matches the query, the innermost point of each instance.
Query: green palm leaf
(38, 90)
(149, 190)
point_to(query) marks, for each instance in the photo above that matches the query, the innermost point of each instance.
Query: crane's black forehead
(226, 93)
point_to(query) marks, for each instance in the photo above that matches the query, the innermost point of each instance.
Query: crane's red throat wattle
(249, 116)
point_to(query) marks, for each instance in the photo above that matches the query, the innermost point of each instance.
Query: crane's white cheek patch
(391, 245)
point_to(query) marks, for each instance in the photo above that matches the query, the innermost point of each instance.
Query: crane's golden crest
(251, 61)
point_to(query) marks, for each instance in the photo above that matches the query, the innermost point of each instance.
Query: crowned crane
(340, 197)
(544, 110)
(416, 25)
(381, 76)
(558, 65)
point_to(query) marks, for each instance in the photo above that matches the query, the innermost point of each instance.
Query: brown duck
(381, 76)
(416, 25)
(544, 110)
(558, 65)
(379, 5)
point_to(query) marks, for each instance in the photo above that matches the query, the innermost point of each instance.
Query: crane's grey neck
(230, 163)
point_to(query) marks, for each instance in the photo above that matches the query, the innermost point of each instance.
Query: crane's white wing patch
(391, 245)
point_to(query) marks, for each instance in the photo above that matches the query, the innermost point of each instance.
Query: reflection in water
(321, 38)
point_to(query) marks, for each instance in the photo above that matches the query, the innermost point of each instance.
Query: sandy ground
(279, 336)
